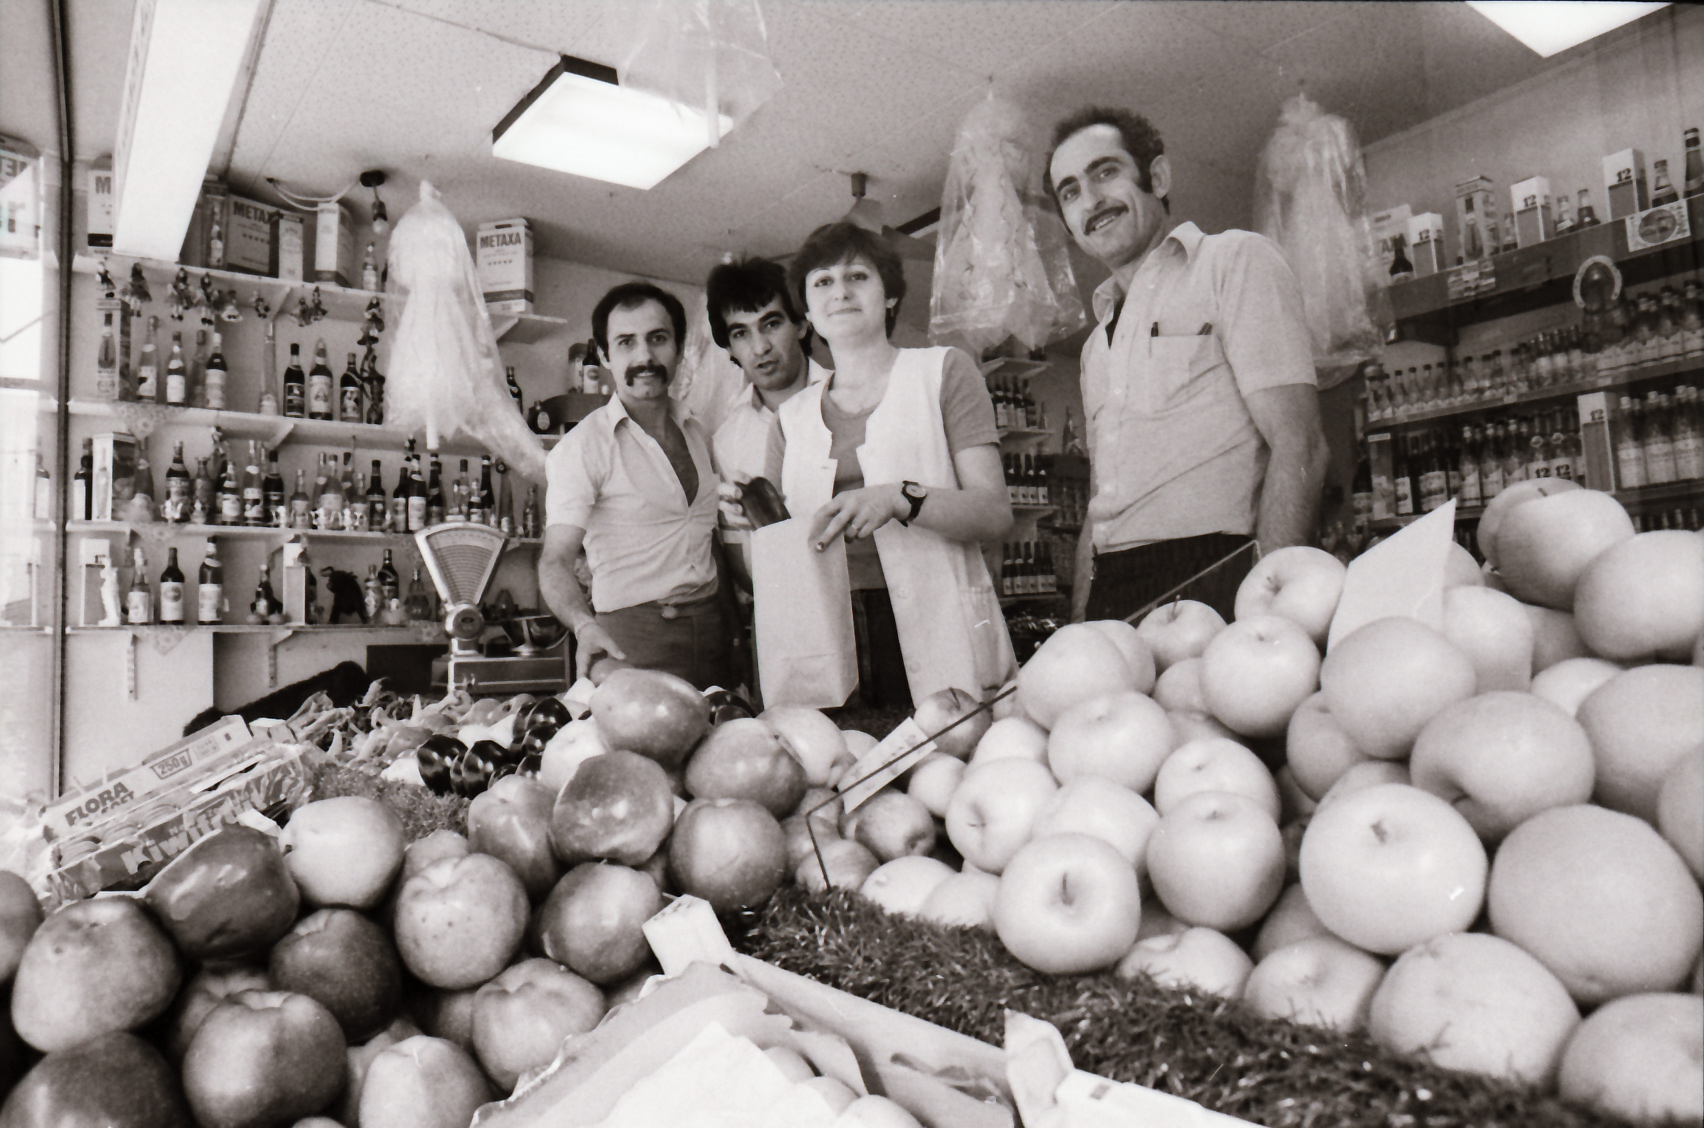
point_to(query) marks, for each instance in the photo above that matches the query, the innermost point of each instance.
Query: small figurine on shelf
(375, 322)
(208, 300)
(183, 295)
(229, 309)
(308, 312)
(262, 308)
(136, 293)
(109, 594)
(109, 288)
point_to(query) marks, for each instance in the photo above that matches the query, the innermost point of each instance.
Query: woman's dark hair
(1141, 140)
(746, 286)
(632, 295)
(839, 242)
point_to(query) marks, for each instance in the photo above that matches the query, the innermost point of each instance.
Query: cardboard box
(101, 203)
(505, 259)
(1597, 454)
(93, 553)
(1530, 202)
(249, 231)
(109, 381)
(90, 807)
(1624, 182)
(334, 245)
(292, 248)
(1476, 219)
(20, 199)
(1387, 225)
(1426, 243)
(114, 482)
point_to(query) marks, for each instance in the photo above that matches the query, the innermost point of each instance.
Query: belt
(677, 609)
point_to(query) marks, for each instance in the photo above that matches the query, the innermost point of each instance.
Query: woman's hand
(857, 513)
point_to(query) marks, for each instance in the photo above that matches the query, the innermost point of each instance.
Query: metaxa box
(504, 254)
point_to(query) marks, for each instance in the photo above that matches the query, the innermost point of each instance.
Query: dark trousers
(688, 640)
(882, 683)
(1126, 581)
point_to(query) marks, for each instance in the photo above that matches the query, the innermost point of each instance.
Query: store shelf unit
(168, 530)
(1661, 499)
(1689, 367)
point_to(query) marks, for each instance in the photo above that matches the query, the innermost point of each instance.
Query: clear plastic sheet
(709, 54)
(1310, 198)
(706, 380)
(446, 377)
(1001, 267)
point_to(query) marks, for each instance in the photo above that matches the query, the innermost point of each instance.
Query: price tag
(905, 745)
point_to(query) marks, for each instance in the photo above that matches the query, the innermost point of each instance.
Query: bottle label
(1659, 461)
(399, 515)
(319, 396)
(210, 598)
(416, 514)
(254, 507)
(215, 389)
(176, 386)
(1491, 482)
(300, 516)
(1561, 467)
(1361, 503)
(1689, 456)
(351, 405)
(295, 400)
(1433, 490)
(1470, 487)
(139, 606)
(171, 601)
(1630, 462)
(230, 508)
(1404, 496)
(147, 382)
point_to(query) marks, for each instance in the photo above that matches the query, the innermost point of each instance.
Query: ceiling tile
(983, 37)
(299, 34)
(553, 25)
(1261, 24)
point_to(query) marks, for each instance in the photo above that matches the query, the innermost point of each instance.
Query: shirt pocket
(1178, 369)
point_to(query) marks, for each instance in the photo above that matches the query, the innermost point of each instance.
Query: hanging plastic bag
(706, 380)
(1001, 268)
(446, 377)
(711, 55)
(1310, 198)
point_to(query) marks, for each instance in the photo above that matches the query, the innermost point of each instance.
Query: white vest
(951, 630)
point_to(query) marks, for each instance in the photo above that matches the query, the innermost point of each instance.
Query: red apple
(229, 894)
(206, 989)
(730, 852)
(113, 1079)
(1178, 630)
(904, 885)
(994, 809)
(1496, 634)
(1546, 543)
(1640, 722)
(1316, 981)
(1076, 663)
(511, 820)
(592, 921)
(521, 1017)
(1501, 758)
(20, 916)
(347, 963)
(1384, 681)
(459, 920)
(1135, 649)
(1639, 1059)
(1600, 899)
(814, 739)
(892, 824)
(843, 865)
(1644, 598)
(1256, 671)
(1317, 749)
(746, 759)
(1123, 737)
(651, 713)
(1217, 860)
(1392, 866)
(92, 967)
(1215, 764)
(1297, 583)
(1196, 959)
(422, 1082)
(618, 807)
(1067, 904)
(344, 851)
(263, 1058)
(942, 708)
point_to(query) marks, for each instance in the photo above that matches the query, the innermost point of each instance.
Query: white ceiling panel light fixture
(581, 121)
(1552, 26)
(186, 57)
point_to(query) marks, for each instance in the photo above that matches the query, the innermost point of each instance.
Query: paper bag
(803, 614)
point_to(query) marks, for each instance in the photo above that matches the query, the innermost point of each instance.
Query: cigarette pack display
(115, 474)
(334, 245)
(505, 260)
(1426, 243)
(1476, 219)
(1531, 202)
(1624, 183)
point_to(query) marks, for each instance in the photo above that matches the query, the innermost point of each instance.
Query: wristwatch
(916, 495)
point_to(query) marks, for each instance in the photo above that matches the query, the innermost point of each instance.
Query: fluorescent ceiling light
(185, 58)
(579, 120)
(1549, 26)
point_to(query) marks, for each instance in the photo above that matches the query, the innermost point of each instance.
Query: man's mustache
(637, 370)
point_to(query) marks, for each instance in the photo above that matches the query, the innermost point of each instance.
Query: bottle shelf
(1635, 500)
(526, 328)
(1029, 597)
(1018, 507)
(427, 629)
(1621, 378)
(251, 532)
(1023, 433)
(1013, 366)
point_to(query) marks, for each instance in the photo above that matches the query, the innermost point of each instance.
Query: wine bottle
(213, 387)
(177, 374)
(301, 506)
(148, 366)
(377, 517)
(416, 495)
(399, 498)
(320, 401)
(254, 496)
(139, 600)
(349, 408)
(295, 385)
(272, 488)
(435, 493)
(210, 587)
(484, 504)
(171, 589)
(229, 503)
(175, 508)
(192, 392)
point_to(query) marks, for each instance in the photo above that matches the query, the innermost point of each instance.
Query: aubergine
(435, 756)
(470, 775)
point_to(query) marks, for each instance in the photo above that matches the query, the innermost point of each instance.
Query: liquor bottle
(1660, 468)
(254, 496)
(295, 385)
(399, 497)
(177, 375)
(213, 377)
(1564, 214)
(1361, 489)
(210, 586)
(419, 602)
(479, 502)
(416, 495)
(514, 388)
(175, 506)
(82, 492)
(1515, 452)
(171, 590)
(142, 488)
(369, 270)
(1584, 214)
(329, 513)
(301, 506)
(390, 584)
(106, 362)
(1400, 268)
(272, 489)
(1688, 435)
(229, 505)
(148, 366)
(463, 492)
(268, 403)
(373, 386)
(356, 511)
(377, 514)
(1401, 476)
(1629, 447)
(1434, 479)
(265, 604)
(1491, 462)
(1468, 465)
(505, 499)
(192, 392)
(529, 515)
(1538, 450)
(139, 600)
(349, 408)
(1662, 189)
(320, 400)
(435, 491)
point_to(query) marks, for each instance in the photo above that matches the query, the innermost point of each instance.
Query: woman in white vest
(897, 453)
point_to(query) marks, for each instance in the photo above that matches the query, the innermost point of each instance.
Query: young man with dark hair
(1198, 381)
(634, 485)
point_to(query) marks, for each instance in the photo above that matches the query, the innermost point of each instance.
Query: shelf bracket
(273, 642)
(130, 664)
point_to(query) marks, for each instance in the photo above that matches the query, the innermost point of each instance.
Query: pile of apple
(1480, 833)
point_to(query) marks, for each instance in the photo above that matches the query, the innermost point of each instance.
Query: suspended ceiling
(414, 87)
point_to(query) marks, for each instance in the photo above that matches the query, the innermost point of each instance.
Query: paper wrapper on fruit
(1001, 268)
(446, 377)
(1310, 198)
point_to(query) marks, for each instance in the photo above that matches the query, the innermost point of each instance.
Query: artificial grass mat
(1212, 1051)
